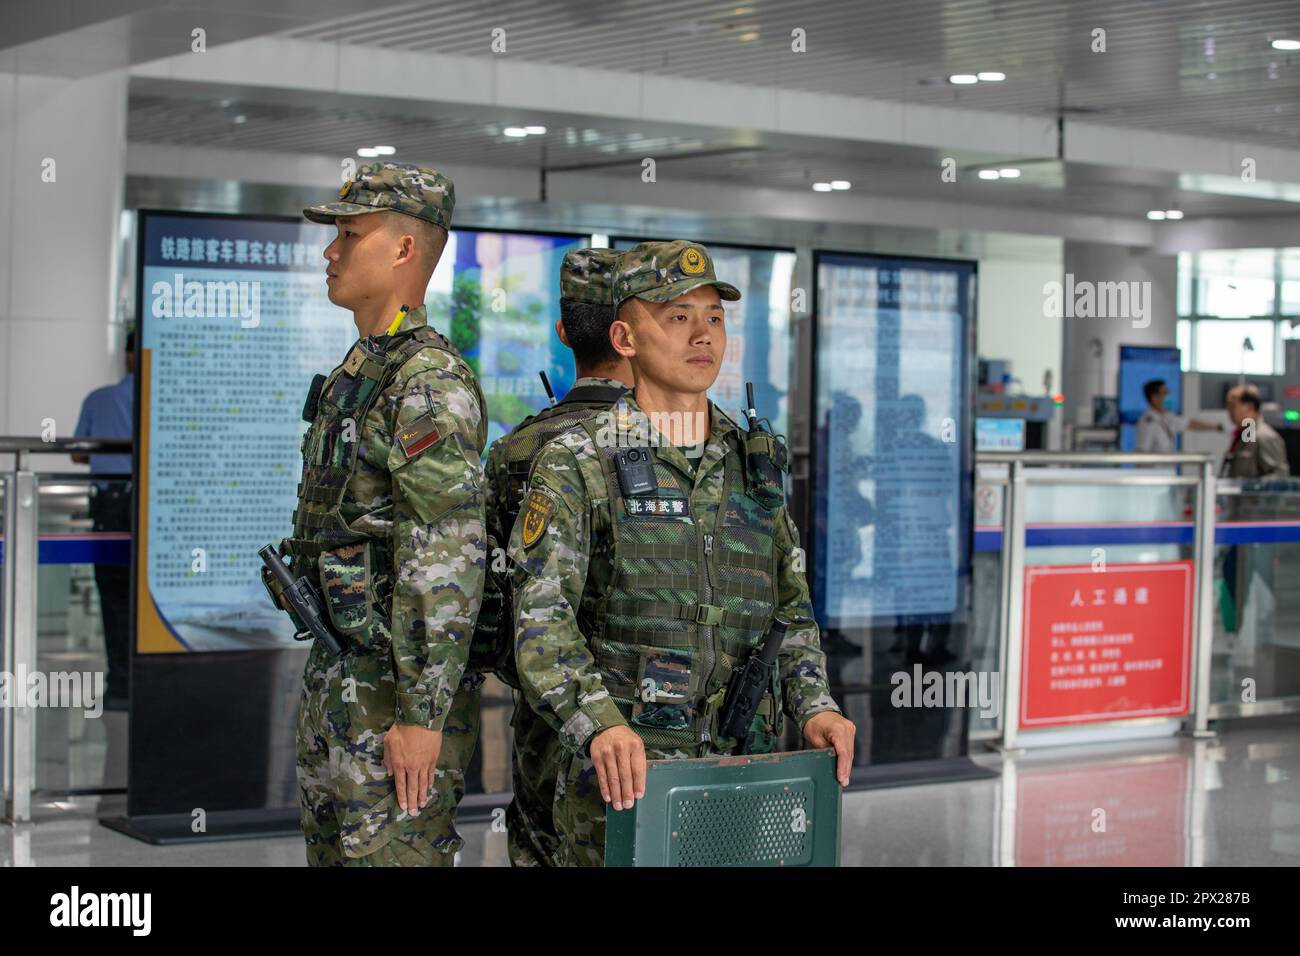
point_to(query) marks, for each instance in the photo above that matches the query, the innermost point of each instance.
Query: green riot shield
(756, 810)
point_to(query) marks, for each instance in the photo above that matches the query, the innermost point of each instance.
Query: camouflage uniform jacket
(400, 547)
(506, 474)
(564, 575)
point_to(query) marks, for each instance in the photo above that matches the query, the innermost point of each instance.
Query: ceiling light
(516, 132)
(963, 79)
(1156, 214)
(822, 187)
(991, 76)
(989, 174)
(1286, 44)
(1011, 173)
(384, 150)
(367, 152)
(1173, 214)
(534, 130)
(748, 37)
(840, 184)
(241, 118)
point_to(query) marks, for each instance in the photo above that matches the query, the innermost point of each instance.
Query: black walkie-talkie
(313, 398)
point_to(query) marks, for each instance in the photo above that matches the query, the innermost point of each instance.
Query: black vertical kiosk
(891, 504)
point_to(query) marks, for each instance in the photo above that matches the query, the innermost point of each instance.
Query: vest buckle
(710, 615)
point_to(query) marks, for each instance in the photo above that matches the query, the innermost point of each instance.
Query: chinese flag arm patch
(536, 515)
(418, 435)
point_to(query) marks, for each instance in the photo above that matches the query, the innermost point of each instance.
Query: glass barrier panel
(1256, 654)
(1109, 594)
(83, 593)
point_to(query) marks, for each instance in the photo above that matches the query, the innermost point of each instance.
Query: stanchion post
(1013, 595)
(1197, 724)
(19, 652)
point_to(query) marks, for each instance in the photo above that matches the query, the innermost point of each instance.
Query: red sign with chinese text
(1106, 645)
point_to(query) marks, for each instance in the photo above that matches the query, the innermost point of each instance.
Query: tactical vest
(321, 535)
(492, 648)
(690, 596)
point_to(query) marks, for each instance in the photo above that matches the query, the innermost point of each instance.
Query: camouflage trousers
(579, 810)
(347, 802)
(535, 761)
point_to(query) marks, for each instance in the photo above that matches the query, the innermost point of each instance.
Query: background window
(1219, 346)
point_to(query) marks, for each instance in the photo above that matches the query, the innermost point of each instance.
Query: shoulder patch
(536, 515)
(418, 435)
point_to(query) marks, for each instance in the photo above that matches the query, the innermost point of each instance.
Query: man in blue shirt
(108, 412)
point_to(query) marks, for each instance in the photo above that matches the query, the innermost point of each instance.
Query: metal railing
(1016, 484)
(18, 651)
(21, 544)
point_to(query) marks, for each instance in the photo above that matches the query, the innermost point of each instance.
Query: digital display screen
(1139, 364)
(999, 434)
(892, 475)
(496, 295)
(234, 323)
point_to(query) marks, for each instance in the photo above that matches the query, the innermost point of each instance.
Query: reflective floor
(1232, 800)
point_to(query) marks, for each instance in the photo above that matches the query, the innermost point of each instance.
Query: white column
(1084, 373)
(58, 246)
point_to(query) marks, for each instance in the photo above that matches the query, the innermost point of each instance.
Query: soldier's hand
(410, 755)
(619, 757)
(829, 729)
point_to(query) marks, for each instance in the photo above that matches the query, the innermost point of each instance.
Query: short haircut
(1151, 387)
(1250, 395)
(586, 326)
(429, 237)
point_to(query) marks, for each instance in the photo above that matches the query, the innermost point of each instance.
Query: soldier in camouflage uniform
(390, 523)
(602, 375)
(638, 588)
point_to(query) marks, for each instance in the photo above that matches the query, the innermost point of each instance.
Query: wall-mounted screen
(1139, 364)
(999, 434)
(891, 480)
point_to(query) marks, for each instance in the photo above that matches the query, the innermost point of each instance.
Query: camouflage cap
(661, 271)
(401, 187)
(587, 275)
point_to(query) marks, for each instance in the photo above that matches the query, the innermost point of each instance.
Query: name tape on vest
(654, 506)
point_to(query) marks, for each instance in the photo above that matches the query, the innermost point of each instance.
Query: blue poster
(234, 322)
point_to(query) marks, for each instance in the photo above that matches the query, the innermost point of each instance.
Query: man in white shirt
(1158, 427)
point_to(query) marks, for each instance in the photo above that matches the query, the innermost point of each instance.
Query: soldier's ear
(622, 335)
(559, 330)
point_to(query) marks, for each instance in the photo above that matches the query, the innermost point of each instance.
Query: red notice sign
(1103, 645)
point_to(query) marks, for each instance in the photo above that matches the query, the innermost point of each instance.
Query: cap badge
(692, 262)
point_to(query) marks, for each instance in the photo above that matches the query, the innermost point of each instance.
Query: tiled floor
(1232, 800)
